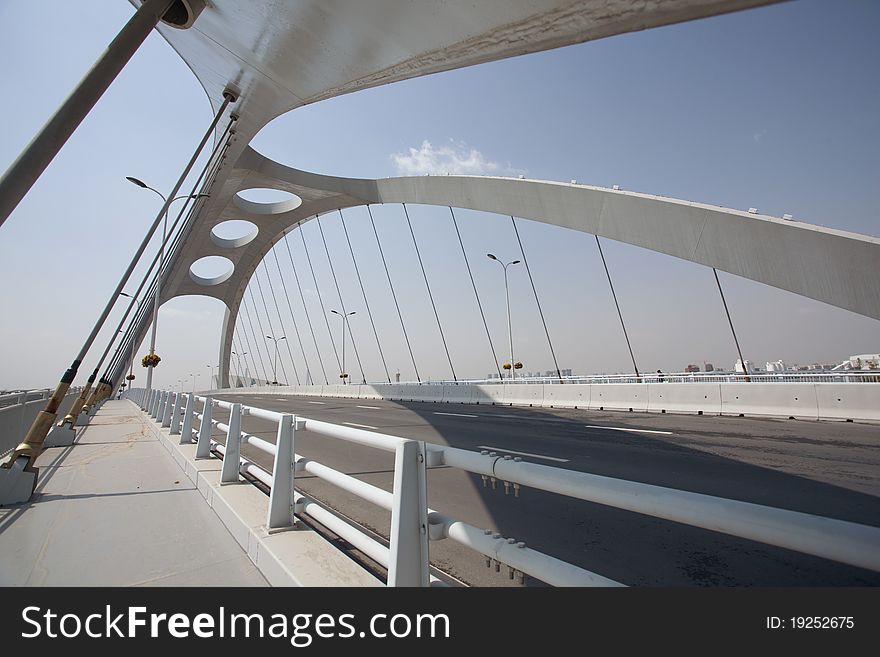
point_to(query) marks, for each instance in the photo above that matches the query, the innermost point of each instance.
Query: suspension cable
(250, 352)
(281, 325)
(479, 305)
(730, 321)
(537, 301)
(262, 331)
(394, 296)
(320, 298)
(430, 296)
(309, 380)
(341, 302)
(617, 305)
(306, 309)
(363, 292)
(254, 334)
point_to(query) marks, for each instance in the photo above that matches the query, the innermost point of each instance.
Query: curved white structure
(280, 56)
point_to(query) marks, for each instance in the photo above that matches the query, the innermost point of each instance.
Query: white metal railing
(413, 524)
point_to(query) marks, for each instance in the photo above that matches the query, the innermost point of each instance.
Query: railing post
(167, 411)
(409, 518)
(154, 400)
(163, 402)
(175, 414)
(281, 498)
(186, 432)
(232, 454)
(203, 449)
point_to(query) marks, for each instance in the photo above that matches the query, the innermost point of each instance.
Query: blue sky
(772, 108)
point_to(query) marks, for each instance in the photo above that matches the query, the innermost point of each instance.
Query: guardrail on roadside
(414, 525)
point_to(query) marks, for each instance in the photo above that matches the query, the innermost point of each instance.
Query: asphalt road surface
(824, 468)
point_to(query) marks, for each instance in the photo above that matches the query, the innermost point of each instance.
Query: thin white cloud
(456, 158)
(758, 136)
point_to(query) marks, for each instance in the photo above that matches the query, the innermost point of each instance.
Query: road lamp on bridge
(509, 325)
(343, 375)
(156, 293)
(275, 364)
(194, 381)
(238, 358)
(211, 382)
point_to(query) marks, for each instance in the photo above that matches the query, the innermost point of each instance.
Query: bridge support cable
(278, 359)
(280, 319)
(233, 364)
(394, 296)
(320, 298)
(250, 352)
(31, 446)
(364, 293)
(306, 309)
(172, 241)
(239, 353)
(29, 166)
(257, 342)
(341, 303)
(476, 294)
(617, 305)
(309, 380)
(537, 301)
(428, 287)
(732, 330)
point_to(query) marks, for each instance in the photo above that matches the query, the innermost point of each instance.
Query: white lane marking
(595, 426)
(375, 408)
(315, 402)
(510, 451)
(455, 414)
(361, 426)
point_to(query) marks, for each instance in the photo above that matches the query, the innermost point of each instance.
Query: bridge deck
(116, 510)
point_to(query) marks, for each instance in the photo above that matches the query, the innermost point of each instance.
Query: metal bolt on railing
(494, 483)
(507, 488)
(485, 479)
(516, 489)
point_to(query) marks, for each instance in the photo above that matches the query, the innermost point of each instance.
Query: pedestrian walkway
(116, 510)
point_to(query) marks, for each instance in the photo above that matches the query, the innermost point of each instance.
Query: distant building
(739, 369)
(692, 368)
(776, 366)
(708, 367)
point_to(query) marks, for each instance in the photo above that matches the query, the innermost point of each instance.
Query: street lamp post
(275, 364)
(509, 325)
(211, 382)
(344, 317)
(194, 381)
(157, 292)
(238, 358)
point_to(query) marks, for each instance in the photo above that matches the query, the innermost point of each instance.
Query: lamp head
(492, 257)
(139, 183)
(515, 262)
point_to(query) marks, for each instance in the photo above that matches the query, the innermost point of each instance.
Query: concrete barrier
(489, 394)
(15, 420)
(460, 394)
(524, 394)
(848, 401)
(427, 393)
(795, 400)
(619, 397)
(695, 398)
(567, 395)
(368, 392)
